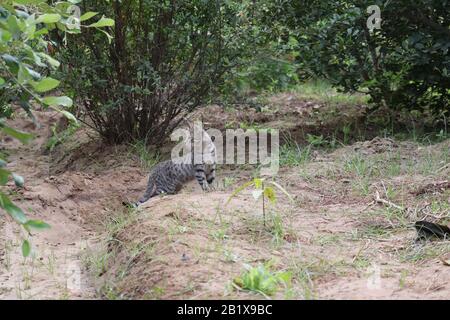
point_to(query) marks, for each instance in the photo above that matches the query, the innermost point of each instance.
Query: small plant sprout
(261, 280)
(262, 189)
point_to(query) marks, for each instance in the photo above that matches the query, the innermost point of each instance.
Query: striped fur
(168, 177)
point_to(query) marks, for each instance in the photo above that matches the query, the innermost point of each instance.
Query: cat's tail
(150, 192)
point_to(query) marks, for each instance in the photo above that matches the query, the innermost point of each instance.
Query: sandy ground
(72, 202)
(333, 240)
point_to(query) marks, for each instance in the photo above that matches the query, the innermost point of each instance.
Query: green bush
(403, 65)
(166, 59)
(25, 65)
(272, 70)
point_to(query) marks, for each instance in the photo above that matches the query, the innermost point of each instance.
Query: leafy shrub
(25, 64)
(403, 65)
(166, 59)
(272, 70)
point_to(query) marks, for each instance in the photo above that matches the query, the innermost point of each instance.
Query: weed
(292, 154)
(402, 280)
(276, 229)
(261, 280)
(418, 252)
(147, 159)
(228, 181)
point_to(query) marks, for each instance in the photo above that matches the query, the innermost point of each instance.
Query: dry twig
(390, 204)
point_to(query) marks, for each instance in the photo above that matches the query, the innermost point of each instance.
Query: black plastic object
(427, 230)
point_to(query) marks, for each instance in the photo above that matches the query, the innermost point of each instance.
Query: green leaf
(4, 176)
(37, 224)
(103, 22)
(53, 62)
(282, 190)
(107, 35)
(18, 180)
(30, 30)
(69, 116)
(258, 183)
(22, 136)
(15, 212)
(48, 18)
(236, 192)
(58, 101)
(40, 32)
(5, 35)
(45, 84)
(270, 194)
(13, 25)
(24, 75)
(36, 75)
(10, 59)
(88, 15)
(26, 248)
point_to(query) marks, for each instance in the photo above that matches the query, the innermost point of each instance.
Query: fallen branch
(378, 199)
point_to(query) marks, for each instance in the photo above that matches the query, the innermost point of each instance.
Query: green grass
(303, 278)
(97, 259)
(227, 182)
(418, 252)
(322, 91)
(292, 154)
(328, 239)
(58, 138)
(147, 159)
(97, 262)
(277, 229)
(305, 272)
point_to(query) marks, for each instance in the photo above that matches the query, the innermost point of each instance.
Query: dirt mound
(192, 246)
(177, 245)
(74, 202)
(376, 145)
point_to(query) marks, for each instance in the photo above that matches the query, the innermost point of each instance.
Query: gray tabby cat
(169, 176)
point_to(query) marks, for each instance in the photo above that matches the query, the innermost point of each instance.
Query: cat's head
(196, 145)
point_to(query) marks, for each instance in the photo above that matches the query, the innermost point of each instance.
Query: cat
(169, 176)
